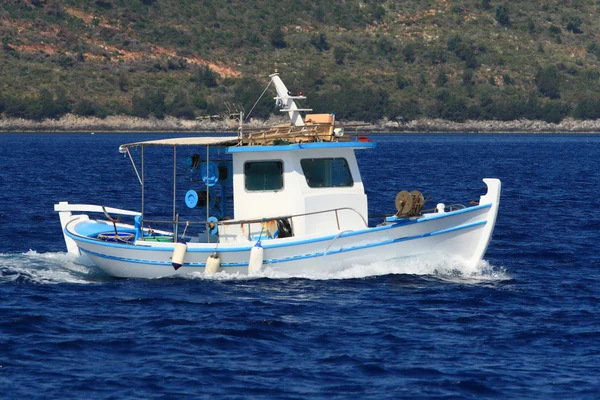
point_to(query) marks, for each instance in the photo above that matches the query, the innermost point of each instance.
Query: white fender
(213, 264)
(178, 255)
(257, 255)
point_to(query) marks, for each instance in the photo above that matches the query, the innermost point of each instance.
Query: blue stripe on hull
(267, 245)
(293, 258)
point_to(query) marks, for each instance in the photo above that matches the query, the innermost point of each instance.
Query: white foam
(54, 268)
(46, 268)
(445, 269)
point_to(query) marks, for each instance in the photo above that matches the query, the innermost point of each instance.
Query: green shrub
(572, 22)
(548, 81)
(339, 54)
(319, 41)
(278, 38)
(502, 15)
(409, 53)
(85, 108)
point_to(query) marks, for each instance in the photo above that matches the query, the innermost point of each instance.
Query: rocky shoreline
(73, 123)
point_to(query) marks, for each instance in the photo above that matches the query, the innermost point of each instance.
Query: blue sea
(523, 324)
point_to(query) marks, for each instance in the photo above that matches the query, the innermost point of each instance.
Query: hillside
(368, 61)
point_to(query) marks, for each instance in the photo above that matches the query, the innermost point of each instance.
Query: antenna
(286, 101)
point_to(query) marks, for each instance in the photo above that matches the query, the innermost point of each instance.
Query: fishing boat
(288, 198)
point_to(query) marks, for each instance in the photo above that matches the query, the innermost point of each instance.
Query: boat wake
(48, 268)
(452, 271)
(55, 268)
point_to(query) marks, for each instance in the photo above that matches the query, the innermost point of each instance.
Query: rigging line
(262, 94)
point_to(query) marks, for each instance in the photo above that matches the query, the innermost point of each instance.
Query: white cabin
(317, 184)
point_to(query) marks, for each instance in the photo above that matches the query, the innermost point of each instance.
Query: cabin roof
(188, 141)
(232, 143)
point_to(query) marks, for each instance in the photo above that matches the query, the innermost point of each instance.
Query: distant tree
(436, 55)
(593, 48)
(467, 77)
(409, 53)
(548, 81)
(319, 40)
(572, 22)
(85, 108)
(449, 106)
(530, 26)
(17, 108)
(508, 108)
(405, 111)
(401, 81)
(2, 104)
(66, 61)
(62, 104)
(531, 107)
(312, 78)
(151, 102)
(486, 4)
(180, 106)
(246, 91)
(474, 112)
(554, 111)
(587, 108)
(463, 50)
(200, 102)
(41, 107)
(442, 78)
(105, 5)
(592, 75)
(471, 61)
(206, 77)
(278, 38)
(386, 48)
(554, 30)
(502, 15)
(6, 41)
(339, 54)
(123, 81)
(453, 42)
(378, 12)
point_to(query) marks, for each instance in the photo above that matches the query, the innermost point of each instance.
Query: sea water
(523, 323)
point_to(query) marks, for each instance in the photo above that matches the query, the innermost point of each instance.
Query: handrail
(256, 220)
(65, 206)
(249, 221)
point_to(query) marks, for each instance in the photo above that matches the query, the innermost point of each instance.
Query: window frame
(264, 190)
(347, 167)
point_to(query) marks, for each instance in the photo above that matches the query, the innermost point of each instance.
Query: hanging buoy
(178, 255)
(256, 258)
(213, 264)
(212, 224)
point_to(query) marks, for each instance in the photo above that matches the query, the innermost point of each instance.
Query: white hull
(463, 234)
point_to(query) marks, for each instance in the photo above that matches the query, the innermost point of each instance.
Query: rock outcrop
(74, 123)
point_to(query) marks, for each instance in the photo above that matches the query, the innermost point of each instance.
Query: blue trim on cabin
(275, 244)
(301, 146)
(300, 257)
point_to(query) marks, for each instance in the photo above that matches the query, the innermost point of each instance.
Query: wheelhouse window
(326, 172)
(263, 175)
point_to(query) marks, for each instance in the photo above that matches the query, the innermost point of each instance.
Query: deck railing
(211, 224)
